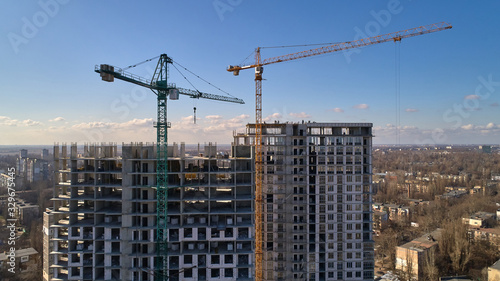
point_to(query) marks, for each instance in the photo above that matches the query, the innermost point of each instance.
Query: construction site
(291, 201)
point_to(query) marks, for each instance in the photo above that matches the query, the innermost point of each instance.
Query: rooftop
(425, 241)
(19, 253)
(482, 215)
(495, 231)
(496, 265)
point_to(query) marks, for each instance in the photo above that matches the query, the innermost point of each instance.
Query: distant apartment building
(380, 221)
(32, 169)
(485, 148)
(416, 186)
(4, 180)
(477, 190)
(318, 196)
(395, 212)
(45, 154)
(26, 211)
(103, 222)
(491, 235)
(480, 219)
(412, 254)
(495, 176)
(24, 260)
(451, 195)
(36, 169)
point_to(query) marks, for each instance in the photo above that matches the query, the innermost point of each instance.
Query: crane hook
(194, 114)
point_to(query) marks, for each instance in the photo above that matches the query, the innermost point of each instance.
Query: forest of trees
(457, 254)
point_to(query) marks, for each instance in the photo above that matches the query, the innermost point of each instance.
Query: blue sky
(449, 80)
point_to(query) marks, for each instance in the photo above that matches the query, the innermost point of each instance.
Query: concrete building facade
(102, 224)
(318, 196)
(410, 257)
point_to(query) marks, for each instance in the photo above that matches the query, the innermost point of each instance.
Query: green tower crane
(159, 85)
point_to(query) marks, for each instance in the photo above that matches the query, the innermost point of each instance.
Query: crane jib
(109, 73)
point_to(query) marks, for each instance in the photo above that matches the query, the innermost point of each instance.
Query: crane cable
(303, 45)
(182, 74)
(134, 65)
(251, 55)
(397, 65)
(197, 76)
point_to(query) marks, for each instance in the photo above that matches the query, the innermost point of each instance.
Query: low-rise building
(452, 194)
(394, 211)
(26, 211)
(380, 220)
(480, 219)
(494, 271)
(412, 254)
(491, 235)
(477, 190)
(24, 260)
(418, 202)
(4, 180)
(454, 188)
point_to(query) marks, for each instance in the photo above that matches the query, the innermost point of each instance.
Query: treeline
(479, 165)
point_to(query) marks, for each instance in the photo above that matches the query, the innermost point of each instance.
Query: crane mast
(160, 86)
(258, 168)
(161, 125)
(258, 66)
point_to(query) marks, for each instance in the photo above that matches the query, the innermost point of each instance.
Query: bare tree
(456, 245)
(406, 272)
(431, 271)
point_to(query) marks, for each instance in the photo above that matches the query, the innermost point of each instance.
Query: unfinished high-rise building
(103, 222)
(317, 208)
(317, 200)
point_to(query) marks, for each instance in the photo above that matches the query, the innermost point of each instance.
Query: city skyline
(449, 80)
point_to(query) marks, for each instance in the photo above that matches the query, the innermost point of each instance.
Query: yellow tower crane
(258, 66)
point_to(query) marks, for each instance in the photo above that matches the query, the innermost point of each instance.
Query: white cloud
(272, 117)
(134, 123)
(490, 125)
(411, 110)
(128, 125)
(240, 117)
(467, 127)
(213, 117)
(361, 106)
(299, 115)
(57, 119)
(410, 128)
(227, 125)
(337, 109)
(472, 97)
(7, 121)
(29, 122)
(187, 118)
(91, 125)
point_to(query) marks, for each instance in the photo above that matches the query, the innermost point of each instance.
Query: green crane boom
(158, 84)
